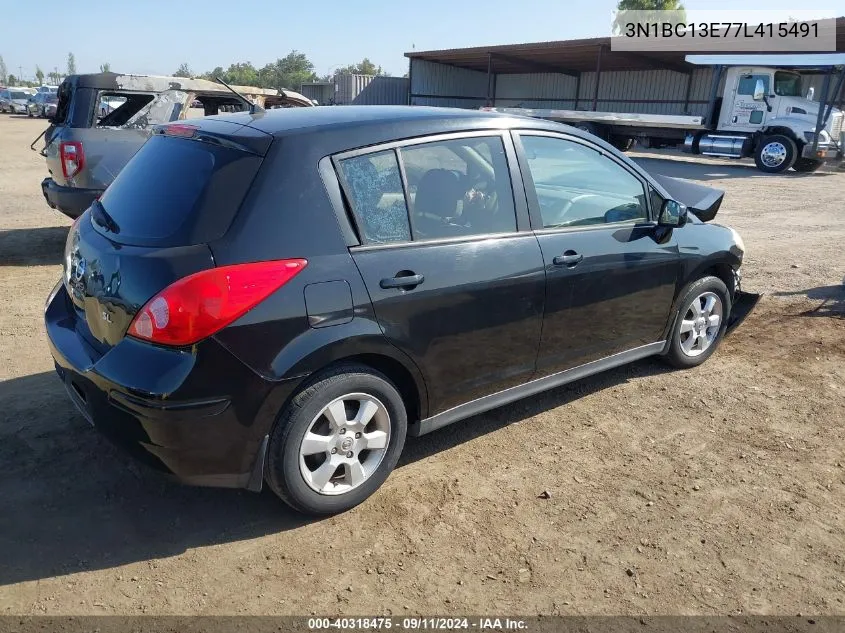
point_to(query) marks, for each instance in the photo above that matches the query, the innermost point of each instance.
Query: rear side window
(377, 196)
(459, 188)
(455, 188)
(177, 192)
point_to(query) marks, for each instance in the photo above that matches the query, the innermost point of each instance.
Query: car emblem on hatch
(79, 271)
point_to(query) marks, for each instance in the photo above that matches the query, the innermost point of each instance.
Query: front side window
(374, 188)
(458, 188)
(578, 186)
(747, 84)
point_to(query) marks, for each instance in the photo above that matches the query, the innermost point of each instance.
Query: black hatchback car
(283, 296)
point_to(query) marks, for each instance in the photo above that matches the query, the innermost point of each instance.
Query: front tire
(700, 322)
(337, 441)
(775, 154)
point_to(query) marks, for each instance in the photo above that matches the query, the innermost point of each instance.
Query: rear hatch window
(176, 192)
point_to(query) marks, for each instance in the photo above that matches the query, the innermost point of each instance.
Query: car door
(611, 272)
(454, 282)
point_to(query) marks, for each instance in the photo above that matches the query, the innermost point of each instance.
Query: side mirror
(673, 214)
(759, 90)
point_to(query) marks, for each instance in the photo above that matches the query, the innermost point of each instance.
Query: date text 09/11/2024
(417, 624)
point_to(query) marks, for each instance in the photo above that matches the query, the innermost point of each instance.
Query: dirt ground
(719, 490)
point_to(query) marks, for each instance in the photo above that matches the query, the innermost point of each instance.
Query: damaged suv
(102, 119)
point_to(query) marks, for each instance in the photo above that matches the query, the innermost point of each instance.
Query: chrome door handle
(569, 258)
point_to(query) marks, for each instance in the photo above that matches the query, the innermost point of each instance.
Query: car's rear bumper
(69, 200)
(198, 414)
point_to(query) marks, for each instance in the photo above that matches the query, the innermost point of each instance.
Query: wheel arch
(783, 130)
(723, 271)
(371, 350)
(720, 268)
(401, 376)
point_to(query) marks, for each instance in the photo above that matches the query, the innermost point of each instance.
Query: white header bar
(731, 31)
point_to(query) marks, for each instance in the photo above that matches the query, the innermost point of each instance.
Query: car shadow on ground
(831, 300)
(704, 171)
(32, 247)
(70, 502)
(417, 448)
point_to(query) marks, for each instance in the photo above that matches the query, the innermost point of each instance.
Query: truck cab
(764, 104)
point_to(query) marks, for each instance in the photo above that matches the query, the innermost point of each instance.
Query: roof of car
(287, 120)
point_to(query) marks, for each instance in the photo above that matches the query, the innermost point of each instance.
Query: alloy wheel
(701, 323)
(345, 444)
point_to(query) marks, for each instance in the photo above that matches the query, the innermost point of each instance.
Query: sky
(155, 37)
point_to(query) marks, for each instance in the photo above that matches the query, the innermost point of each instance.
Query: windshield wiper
(102, 217)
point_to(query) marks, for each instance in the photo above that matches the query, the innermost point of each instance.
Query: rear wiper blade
(102, 217)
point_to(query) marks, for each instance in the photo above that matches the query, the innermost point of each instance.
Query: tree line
(289, 72)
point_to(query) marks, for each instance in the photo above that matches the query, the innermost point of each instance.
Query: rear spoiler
(702, 201)
(218, 132)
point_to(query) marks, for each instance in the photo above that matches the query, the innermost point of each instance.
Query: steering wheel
(565, 207)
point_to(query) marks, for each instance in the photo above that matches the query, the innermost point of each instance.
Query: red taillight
(201, 304)
(72, 157)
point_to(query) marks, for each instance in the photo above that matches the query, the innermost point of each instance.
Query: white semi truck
(759, 111)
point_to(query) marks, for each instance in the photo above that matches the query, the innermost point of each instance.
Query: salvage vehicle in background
(39, 104)
(102, 119)
(15, 100)
(283, 296)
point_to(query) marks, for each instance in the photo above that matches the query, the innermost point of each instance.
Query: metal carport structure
(582, 74)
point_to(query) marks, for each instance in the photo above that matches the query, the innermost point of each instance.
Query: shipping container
(320, 91)
(347, 89)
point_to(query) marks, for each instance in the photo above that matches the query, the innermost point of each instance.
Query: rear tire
(307, 442)
(775, 154)
(695, 334)
(807, 165)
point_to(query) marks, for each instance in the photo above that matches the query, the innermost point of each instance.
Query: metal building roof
(567, 56)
